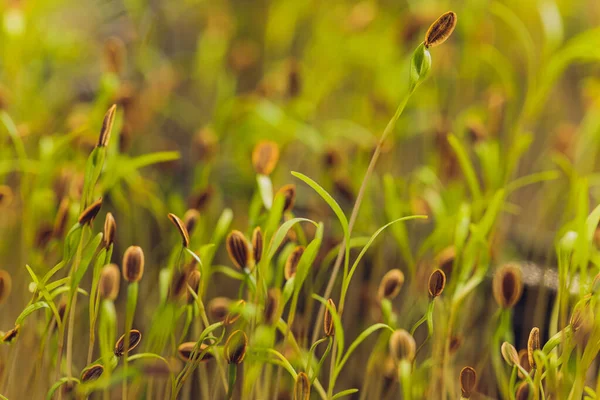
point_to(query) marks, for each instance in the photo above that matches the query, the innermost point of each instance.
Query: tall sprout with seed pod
(133, 271)
(420, 67)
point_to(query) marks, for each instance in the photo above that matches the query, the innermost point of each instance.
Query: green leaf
(347, 279)
(328, 199)
(361, 338)
(281, 233)
(466, 166)
(29, 309)
(54, 387)
(153, 158)
(344, 393)
(86, 258)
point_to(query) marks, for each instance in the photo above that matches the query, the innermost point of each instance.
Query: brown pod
(135, 337)
(272, 306)
(110, 230)
(185, 236)
(11, 335)
(186, 351)
(107, 125)
(218, 308)
(302, 387)
(235, 347)
(92, 373)
(468, 380)
(509, 354)
(437, 283)
(402, 346)
(440, 30)
(507, 285)
(390, 284)
(235, 313)
(5, 285)
(257, 244)
(239, 249)
(62, 216)
(524, 362)
(6, 195)
(88, 215)
(264, 157)
(193, 282)
(328, 325)
(133, 264)
(522, 392)
(291, 264)
(289, 194)
(110, 279)
(533, 344)
(190, 220)
(114, 54)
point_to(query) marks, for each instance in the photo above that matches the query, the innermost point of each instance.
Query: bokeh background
(199, 82)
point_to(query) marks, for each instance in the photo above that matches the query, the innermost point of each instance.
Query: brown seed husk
(114, 54)
(110, 280)
(186, 350)
(509, 354)
(193, 283)
(107, 125)
(235, 313)
(6, 195)
(11, 335)
(522, 392)
(133, 264)
(468, 380)
(390, 284)
(92, 373)
(524, 362)
(185, 236)
(60, 223)
(190, 220)
(110, 229)
(302, 387)
(257, 244)
(445, 260)
(5, 285)
(289, 194)
(533, 344)
(507, 285)
(135, 337)
(235, 347)
(440, 30)
(88, 215)
(272, 306)
(402, 346)
(328, 325)
(437, 283)
(239, 249)
(264, 157)
(291, 264)
(218, 308)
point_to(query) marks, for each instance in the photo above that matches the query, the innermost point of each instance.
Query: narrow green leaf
(361, 338)
(328, 199)
(344, 393)
(281, 233)
(29, 309)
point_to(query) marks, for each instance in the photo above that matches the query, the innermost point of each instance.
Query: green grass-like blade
(328, 199)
